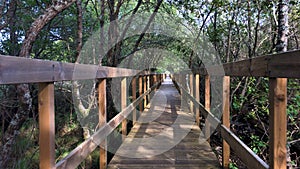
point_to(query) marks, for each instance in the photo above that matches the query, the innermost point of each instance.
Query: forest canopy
(119, 33)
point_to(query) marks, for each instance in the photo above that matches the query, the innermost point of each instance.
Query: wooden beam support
(123, 106)
(23, 70)
(281, 65)
(250, 159)
(102, 120)
(226, 119)
(191, 85)
(197, 96)
(145, 89)
(278, 122)
(285, 64)
(207, 106)
(150, 82)
(46, 125)
(207, 92)
(155, 80)
(140, 92)
(79, 154)
(133, 85)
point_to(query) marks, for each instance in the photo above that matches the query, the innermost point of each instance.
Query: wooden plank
(133, 86)
(278, 122)
(77, 155)
(123, 106)
(46, 125)
(210, 118)
(207, 105)
(285, 64)
(226, 119)
(190, 152)
(242, 150)
(23, 70)
(102, 120)
(197, 97)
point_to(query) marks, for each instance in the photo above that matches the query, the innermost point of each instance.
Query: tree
(23, 91)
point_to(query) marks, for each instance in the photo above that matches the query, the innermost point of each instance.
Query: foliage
(237, 30)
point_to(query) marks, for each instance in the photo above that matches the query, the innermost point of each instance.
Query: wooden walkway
(165, 137)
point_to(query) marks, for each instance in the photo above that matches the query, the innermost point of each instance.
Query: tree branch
(39, 24)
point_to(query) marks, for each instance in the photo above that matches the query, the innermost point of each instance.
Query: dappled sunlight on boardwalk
(165, 136)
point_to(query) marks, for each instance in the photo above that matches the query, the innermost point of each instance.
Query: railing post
(181, 81)
(46, 125)
(102, 120)
(207, 105)
(191, 77)
(140, 92)
(145, 89)
(133, 85)
(123, 106)
(278, 122)
(226, 119)
(155, 81)
(197, 95)
(161, 79)
(149, 85)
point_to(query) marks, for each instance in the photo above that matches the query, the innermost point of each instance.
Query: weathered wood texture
(140, 92)
(192, 151)
(145, 89)
(102, 120)
(77, 155)
(226, 119)
(123, 106)
(210, 118)
(46, 125)
(133, 89)
(276, 65)
(197, 97)
(207, 105)
(278, 122)
(22, 70)
(191, 87)
(247, 155)
(250, 159)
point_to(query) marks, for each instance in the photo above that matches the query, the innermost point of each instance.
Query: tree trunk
(282, 41)
(23, 91)
(283, 26)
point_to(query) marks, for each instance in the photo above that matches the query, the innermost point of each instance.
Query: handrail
(278, 68)
(281, 65)
(23, 70)
(76, 156)
(245, 153)
(15, 70)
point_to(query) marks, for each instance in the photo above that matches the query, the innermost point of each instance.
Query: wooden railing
(277, 68)
(15, 70)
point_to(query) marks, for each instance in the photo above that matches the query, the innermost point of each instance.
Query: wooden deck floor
(165, 137)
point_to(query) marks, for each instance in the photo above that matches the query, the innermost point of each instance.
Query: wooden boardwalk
(165, 137)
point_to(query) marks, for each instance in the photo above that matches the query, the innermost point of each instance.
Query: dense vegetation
(57, 30)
